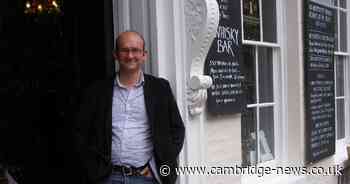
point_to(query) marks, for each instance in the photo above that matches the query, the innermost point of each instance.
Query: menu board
(319, 41)
(223, 62)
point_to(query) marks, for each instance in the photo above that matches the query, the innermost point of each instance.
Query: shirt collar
(140, 82)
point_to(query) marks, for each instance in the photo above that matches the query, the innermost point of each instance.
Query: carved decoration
(197, 93)
(195, 14)
(202, 19)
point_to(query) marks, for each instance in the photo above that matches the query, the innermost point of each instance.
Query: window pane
(249, 153)
(269, 20)
(249, 64)
(343, 3)
(266, 134)
(340, 76)
(340, 119)
(251, 20)
(325, 2)
(343, 35)
(265, 75)
(336, 32)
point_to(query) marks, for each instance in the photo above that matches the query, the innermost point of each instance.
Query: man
(129, 127)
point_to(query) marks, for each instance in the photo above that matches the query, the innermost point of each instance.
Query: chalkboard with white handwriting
(319, 42)
(223, 62)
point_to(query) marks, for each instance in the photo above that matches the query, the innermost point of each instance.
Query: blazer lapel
(108, 106)
(149, 99)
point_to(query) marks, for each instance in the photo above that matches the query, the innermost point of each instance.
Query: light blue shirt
(131, 132)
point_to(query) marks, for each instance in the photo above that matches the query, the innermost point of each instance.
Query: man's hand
(145, 172)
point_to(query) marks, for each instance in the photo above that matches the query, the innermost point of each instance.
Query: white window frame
(280, 94)
(341, 143)
(259, 105)
(260, 42)
(277, 86)
(344, 97)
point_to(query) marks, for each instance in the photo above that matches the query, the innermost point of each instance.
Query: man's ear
(145, 53)
(115, 55)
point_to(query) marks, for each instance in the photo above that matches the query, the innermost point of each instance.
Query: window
(340, 67)
(259, 22)
(258, 146)
(259, 48)
(340, 25)
(340, 96)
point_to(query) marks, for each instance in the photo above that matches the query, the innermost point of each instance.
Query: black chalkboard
(223, 62)
(319, 41)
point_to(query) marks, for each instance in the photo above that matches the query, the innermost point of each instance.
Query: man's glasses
(134, 51)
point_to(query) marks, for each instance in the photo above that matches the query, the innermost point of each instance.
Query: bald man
(129, 129)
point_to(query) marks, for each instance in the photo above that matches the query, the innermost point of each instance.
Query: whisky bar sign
(223, 62)
(319, 41)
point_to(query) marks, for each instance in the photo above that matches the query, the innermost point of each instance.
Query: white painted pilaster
(202, 19)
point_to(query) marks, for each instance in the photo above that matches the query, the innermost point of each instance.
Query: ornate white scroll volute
(202, 19)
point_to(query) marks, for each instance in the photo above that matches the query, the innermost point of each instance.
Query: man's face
(130, 54)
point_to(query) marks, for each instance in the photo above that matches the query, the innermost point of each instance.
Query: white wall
(294, 72)
(223, 145)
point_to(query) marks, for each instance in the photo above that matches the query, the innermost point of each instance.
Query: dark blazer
(93, 131)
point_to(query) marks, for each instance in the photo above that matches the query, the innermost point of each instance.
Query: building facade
(275, 90)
